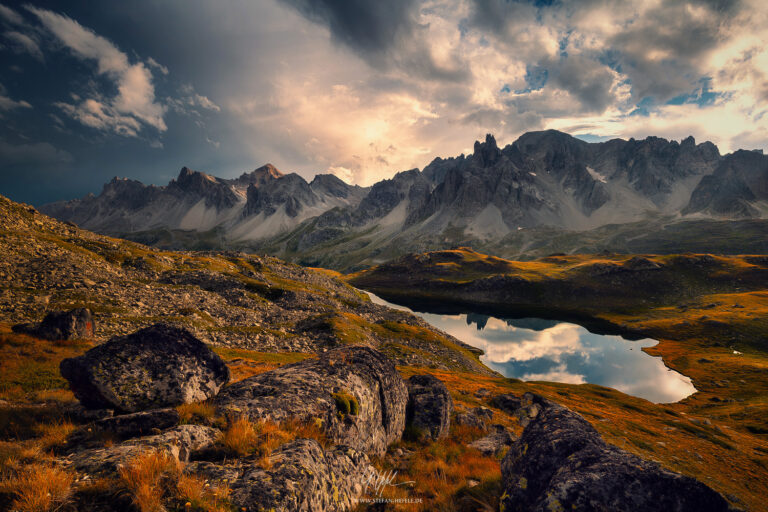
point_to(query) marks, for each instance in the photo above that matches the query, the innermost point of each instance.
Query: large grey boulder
(304, 477)
(562, 463)
(429, 407)
(61, 325)
(355, 393)
(160, 366)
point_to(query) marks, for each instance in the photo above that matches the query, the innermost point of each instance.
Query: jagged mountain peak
(187, 175)
(259, 176)
(267, 171)
(195, 185)
(487, 153)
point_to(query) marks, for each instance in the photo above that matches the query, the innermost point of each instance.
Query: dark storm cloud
(373, 29)
(386, 34)
(660, 51)
(499, 15)
(587, 80)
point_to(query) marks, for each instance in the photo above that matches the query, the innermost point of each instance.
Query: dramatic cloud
(133, 105)
(373, 29)
(368, 89)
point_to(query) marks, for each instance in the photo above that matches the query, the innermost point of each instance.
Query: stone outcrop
(429, 407)
(179, 442)
(61, 325)
(159, 366)
(470, 419)
(495, 442)
(354, 393)
(562, 463)
(138, 423)
(303, 477)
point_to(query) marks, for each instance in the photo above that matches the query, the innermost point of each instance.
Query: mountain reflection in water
(551, 350)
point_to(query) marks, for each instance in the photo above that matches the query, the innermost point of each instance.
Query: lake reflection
(550, 350)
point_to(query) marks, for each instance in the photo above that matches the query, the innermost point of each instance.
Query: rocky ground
(229, 299)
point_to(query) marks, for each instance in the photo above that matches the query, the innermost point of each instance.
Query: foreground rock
(495, 442)
(304, 477)
(160, 366)
(75, 324)
(354, 393)
(429, 407)
(561, 463)
(179, 442)
(470, 419)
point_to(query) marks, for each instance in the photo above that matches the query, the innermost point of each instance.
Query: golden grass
(241, 437)
(196, 494)
(441, 472)
(52, 435)
(38, 488)
(196, 412)
(245, 363)
(150, 478)
(244, 437)
(30, 366)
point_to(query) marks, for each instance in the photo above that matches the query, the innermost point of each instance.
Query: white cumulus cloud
(134, 106)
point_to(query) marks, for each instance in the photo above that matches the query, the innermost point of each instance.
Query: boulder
(508, 403)
(429, 407)
(304, 477)
(61, 325)
(483, 413)
(495, 442)
(562, 463)
(354, 393)
(180, 442)
(160, 366)
(469, 419)
(138, 423)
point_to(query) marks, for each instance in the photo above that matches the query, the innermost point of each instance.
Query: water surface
(552, 350)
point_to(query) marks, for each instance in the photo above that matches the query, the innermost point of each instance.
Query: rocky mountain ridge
(544, 181)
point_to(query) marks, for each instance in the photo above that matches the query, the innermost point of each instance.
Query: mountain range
(546, 192)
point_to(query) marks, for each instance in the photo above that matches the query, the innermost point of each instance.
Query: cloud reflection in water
(549, 350)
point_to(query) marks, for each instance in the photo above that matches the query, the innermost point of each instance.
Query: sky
(91, 90)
